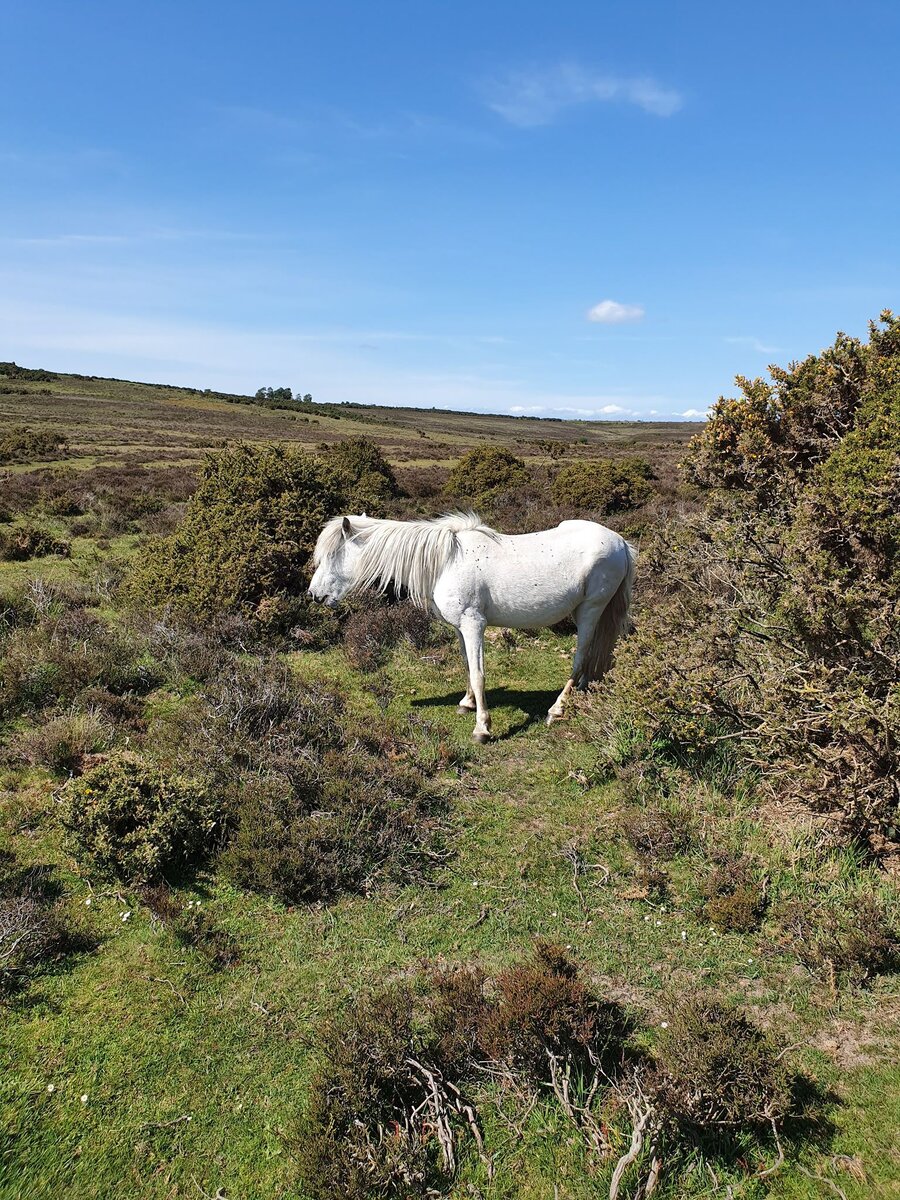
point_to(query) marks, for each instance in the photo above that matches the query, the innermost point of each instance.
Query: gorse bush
(136, 821)
(23, 444)
(247, 533)
(22, 542)
(484, 472)
(768, 642)
(608, 485)
(368, 472)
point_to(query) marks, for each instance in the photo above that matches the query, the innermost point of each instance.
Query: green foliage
(370, 476)
(607, 485)
(24, 444)
(484, 471)
(247, 534)
(135, 821)
(767, 644)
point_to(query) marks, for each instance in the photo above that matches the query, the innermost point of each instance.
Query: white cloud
(611, 312)
(693, 414)
(537, 98)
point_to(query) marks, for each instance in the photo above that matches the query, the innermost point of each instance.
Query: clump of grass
(657, 834)
(732, 898)
(198, 930)
(34, 930)
(63, 743)
(718, 1071)
(849, 939)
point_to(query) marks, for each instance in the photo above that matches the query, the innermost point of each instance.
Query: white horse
(472, 576)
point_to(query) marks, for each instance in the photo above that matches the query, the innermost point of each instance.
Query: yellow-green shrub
(134, 820)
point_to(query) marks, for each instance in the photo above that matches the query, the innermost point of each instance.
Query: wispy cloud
(611, 312)
(693, 414)
(755, 344)
(529, 99)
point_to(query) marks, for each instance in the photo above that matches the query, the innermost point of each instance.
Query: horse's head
(334, 559)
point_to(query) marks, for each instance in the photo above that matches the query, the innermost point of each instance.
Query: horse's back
(529, 580)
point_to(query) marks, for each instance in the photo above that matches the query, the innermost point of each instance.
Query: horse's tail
(614, 621)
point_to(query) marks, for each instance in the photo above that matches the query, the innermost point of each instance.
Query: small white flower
(84, 1098)
(51, 1088)
(684, 935)
(658, 923)
(126, 916)
(664, 1024)
(749, 960)
(647, 918)
(87, 903)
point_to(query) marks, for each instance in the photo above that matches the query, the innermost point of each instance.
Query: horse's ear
(345, 525)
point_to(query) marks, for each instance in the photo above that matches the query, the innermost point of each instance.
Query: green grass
(152, 1037)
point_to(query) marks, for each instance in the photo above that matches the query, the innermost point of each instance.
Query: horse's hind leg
(586, 618)
(472, 630)
(467, 703)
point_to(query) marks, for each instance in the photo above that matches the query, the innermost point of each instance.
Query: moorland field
(270, 924)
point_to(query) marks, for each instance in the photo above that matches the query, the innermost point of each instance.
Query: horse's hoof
(481, 738)
(464, 710)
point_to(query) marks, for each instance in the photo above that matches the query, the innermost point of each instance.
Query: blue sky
(595, 209)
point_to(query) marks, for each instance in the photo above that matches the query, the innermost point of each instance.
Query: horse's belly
(530, 607)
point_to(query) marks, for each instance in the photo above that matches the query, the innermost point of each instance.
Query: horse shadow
(532, 706)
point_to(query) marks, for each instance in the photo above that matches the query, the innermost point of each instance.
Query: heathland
(271, 926)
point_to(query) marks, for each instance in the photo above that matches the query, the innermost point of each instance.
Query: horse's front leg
(472, 630)
(467, 703)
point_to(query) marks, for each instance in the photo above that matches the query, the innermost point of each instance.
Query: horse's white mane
(410, 554)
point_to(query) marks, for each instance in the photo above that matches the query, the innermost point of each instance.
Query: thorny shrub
(134, 820)
(767, 643)
(368, 472)
(23, 444)
(247, 535)
(606, 485)
(22, 542)
(485, 472)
